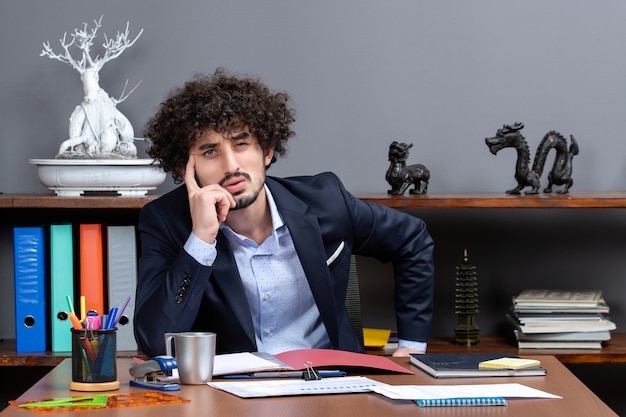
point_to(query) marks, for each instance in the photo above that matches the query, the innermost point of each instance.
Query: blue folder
(30, 288)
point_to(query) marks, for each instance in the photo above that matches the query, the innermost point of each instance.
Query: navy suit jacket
(175, 293)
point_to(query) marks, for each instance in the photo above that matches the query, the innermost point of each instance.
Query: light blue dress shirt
(283, 310)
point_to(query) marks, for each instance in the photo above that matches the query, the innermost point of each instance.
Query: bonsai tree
(97, 130)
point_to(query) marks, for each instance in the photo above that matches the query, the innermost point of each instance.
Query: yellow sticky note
(375, 337)
(509, 363)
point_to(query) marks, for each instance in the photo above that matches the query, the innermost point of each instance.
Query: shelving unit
(16, 209)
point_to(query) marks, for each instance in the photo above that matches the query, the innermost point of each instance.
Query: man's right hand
(209, 205)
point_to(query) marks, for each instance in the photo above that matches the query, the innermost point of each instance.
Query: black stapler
(153, 373)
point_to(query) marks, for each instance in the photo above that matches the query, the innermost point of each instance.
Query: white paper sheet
(426, 392)
(281, 387)
(232, 363)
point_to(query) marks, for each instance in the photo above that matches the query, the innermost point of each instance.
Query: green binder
(61, 285)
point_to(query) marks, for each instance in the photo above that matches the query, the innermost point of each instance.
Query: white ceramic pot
(74, 177)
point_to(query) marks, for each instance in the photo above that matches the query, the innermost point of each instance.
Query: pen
(284, 374)
(103, 321)
(111, 318)
(119, 315)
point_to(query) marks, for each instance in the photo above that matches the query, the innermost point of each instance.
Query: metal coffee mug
(194, 352)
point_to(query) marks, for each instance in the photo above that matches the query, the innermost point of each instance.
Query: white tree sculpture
(97, 130)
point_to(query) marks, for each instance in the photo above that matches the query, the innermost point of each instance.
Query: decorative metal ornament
(466, 303)
(509, 136)
(401, 176)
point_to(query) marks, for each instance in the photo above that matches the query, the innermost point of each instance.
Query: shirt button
(266, 296)
(268, 330)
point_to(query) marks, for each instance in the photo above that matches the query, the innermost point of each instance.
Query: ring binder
(462, 402)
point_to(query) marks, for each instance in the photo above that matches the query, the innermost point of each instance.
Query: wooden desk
(577, 400)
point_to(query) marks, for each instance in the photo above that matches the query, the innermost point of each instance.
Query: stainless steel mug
(194, 352)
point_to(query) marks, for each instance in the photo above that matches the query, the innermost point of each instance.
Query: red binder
(92, 267)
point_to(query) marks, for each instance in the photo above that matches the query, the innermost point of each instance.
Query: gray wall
(443, 75)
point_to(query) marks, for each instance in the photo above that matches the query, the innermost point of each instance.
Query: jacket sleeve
(391, 235)
(170, 283)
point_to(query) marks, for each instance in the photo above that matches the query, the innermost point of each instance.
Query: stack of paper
(560, 319)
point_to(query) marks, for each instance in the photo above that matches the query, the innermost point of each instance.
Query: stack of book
(560, 319)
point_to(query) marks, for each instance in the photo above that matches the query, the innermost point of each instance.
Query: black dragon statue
(509, 136)
(400, 175)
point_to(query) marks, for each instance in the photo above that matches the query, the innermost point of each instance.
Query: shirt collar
(277, 221)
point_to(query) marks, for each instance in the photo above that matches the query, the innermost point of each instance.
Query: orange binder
(92, 267)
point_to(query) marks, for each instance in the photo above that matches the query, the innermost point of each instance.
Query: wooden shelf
(8, 356)
(613, 352)
(88, 202)
(581, 199)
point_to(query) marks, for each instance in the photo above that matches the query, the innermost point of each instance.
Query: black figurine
(400, 176)
(509, 136)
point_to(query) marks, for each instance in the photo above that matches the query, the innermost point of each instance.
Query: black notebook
(461, 365)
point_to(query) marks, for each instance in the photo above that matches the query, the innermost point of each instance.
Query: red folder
(321, 358)
(92, 267)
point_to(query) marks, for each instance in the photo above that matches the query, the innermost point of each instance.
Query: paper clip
(310, 374)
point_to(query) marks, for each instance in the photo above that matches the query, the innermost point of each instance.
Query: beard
(242, 200)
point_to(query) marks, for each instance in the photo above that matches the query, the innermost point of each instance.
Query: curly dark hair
(220, 102)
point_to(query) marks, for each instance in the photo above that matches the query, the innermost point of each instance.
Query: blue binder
(61, 285)
(30, 288)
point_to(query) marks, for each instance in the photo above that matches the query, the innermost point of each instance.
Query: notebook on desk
(462, 365)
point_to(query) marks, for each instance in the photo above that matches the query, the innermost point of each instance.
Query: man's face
(234, 160)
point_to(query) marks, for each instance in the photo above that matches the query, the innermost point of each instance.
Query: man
(261, 261)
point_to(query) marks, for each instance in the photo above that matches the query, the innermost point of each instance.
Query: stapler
(152, 373)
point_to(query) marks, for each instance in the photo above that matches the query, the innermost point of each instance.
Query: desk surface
(577, 400)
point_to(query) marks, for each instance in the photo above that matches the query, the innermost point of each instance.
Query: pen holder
(94, 365)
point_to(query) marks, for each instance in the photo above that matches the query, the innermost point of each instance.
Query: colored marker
(111, 319)
(119, 316)
(70, 304)
(83, 310)
(75, 322)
